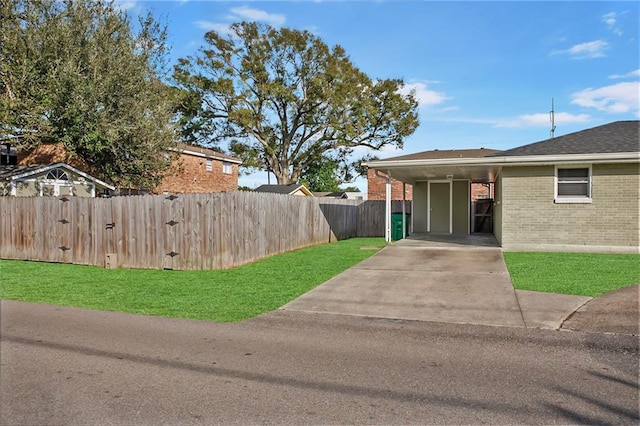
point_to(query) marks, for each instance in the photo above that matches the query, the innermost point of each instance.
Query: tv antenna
(552, 116)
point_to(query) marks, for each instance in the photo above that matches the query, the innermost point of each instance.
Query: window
(573, 185)
(209, 165)
(226, 168)
(57, 174)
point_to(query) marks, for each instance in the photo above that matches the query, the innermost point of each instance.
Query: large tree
(81, 73)
(285, 100)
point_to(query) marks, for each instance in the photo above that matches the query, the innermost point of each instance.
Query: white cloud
(449, 109)
(543, 119)
(257, 15)
(125, 4)
(611, 19)
(590, 49)
(631, 74)
(618, 98)
(213, 26)
(242, 13)
(384, 152)
(423, 95)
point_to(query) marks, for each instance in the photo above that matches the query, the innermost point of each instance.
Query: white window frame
(56, 184)
(562, 199)
(227, 168)
(208, 165)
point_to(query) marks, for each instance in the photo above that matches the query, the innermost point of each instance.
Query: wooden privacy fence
(195, 231)
(192, 231)
(357, 218)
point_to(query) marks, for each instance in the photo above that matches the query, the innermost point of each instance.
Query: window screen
(574, 182)
(226, 168)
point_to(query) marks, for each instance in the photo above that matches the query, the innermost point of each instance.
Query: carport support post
(387, 221)
(404, 213)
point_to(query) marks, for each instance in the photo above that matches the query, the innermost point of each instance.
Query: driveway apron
(412, 280)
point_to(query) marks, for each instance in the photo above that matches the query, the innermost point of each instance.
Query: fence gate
(483, 215)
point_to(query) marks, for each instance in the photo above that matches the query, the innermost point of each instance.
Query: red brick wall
(189, 174)
(480, 190)
(50, 153)
(192, 176)
(376, 187)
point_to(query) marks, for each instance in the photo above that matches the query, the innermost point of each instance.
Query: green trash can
(396, 226)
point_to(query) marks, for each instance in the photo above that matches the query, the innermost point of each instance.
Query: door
(440, 207)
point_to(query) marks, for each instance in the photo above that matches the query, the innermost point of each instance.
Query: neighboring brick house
(576, 192)
(49, 153)
(196, 170)
(376, 187)
(201, 170)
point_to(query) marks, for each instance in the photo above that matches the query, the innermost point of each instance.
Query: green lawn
(585, 274)
(229, 295)
(250, 290)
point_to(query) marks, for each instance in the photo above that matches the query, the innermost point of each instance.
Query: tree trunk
(283, 175)
(284, 180)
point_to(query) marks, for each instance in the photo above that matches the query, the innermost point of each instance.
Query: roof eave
(531, 160)
(67, 166)
(203, 155)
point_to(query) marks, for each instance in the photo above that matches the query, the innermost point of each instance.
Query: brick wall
(188, 174)
(193, 177)
(531, 219)
(376, 187)
(50, 153)
(481, 191)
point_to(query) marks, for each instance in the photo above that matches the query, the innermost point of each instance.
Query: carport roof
(446, 153)
(611, 143)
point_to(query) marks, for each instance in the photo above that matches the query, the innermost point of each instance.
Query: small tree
(76, 72)
(287, 101)
(321, 176)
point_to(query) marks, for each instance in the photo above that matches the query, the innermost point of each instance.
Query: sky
(484, 73)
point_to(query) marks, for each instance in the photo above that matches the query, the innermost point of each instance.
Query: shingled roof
(7, 172)
(619, 136)
(283, 189)
(438, 154)
(206, 152)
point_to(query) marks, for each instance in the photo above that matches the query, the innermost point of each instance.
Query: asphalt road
(72, 366)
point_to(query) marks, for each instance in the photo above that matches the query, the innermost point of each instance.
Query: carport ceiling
(470, 164)
(413, 174)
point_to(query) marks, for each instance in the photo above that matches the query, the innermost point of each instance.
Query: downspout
(387, 215)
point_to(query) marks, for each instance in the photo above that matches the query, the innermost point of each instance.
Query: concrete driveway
(450, 279)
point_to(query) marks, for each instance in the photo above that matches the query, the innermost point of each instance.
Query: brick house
(576, 192)
(196, 169)
(201, 170)
(376, 187)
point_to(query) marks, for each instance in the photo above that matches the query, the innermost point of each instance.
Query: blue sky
(484, 72)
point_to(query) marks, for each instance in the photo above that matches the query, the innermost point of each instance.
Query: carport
(442, 184)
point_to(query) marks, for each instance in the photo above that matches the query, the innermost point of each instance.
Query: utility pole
(553, 119)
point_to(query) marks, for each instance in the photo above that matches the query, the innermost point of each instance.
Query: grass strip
(222, 296)
(583, 274)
